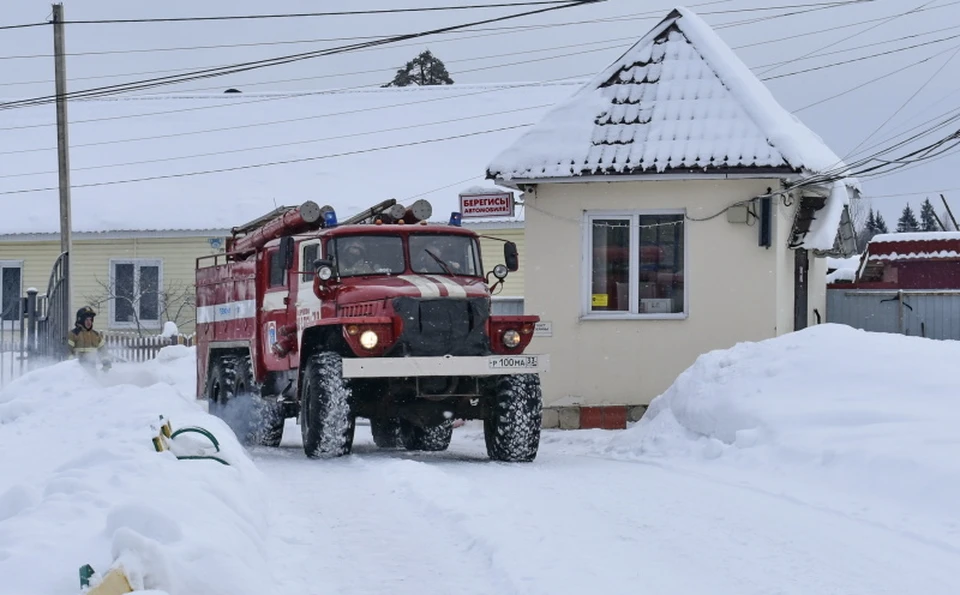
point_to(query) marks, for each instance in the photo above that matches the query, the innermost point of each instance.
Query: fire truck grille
(441, 326)
(354, 310)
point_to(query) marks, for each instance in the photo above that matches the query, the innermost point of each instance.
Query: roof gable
(678, 100)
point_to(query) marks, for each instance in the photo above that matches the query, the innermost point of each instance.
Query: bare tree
(175, 303)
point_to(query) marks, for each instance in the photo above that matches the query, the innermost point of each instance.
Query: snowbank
(80, 483)
(869, 413)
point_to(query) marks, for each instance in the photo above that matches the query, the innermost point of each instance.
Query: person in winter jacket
(86, 343)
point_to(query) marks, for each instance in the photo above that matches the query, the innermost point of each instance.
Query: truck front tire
(327, 423)
(234, 397)
(511, 429)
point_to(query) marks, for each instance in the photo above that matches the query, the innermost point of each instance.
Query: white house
(672, 207)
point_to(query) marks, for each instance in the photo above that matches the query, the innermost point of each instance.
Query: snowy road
(453, 522)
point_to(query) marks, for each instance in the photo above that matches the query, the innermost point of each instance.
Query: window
(444, 254)
(136, 292)
(11, 281)
(367, 255)
(310, 252)
(278, 277)
(635, 265)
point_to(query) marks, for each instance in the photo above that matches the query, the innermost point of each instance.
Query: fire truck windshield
(367, 255)
(444, 254)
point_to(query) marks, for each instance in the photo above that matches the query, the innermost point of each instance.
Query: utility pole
(63, 158)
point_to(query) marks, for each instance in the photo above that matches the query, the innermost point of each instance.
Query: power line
(269, 164)
(860, 58)
(909, 99)
(280, 145)
(286, 59)
(24, 26)
(273, 122)
(316, 14)
(874, 79)
(829, 45)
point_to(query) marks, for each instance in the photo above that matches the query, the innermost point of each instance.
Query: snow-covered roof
(851, 262)
(349, 149)
(679, 99)
(919, 236)
(933, 245)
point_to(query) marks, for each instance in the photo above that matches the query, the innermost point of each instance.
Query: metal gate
(33, 330)
(932, 314)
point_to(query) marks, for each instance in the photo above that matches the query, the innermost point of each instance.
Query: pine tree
(425, 69)
(868, 230)
(881, 224)
(928, 217)
(908, 221)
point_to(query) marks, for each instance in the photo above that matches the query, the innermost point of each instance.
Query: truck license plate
(513, 362)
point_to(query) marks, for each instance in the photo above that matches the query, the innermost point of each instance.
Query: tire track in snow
(342, 526)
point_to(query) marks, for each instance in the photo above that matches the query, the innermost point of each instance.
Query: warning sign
(491, 204)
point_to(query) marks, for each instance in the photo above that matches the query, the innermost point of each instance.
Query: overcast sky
(896, 91)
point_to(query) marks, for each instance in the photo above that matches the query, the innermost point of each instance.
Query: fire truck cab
(383, 316)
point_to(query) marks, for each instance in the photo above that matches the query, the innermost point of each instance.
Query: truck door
(274, 311)
(307, 304)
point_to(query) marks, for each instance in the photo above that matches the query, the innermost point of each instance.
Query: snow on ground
(831, 414)
(81, 483)
(824, 461)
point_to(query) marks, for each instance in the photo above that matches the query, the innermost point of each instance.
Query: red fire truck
(383, 316)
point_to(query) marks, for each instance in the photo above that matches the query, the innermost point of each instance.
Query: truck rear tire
(432, 438)
(386, 432)
(512, 428)
(327, 423)
(234, 397)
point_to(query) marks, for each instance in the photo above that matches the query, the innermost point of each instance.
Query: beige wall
(492, 251)
(91, 268)
(737, 290)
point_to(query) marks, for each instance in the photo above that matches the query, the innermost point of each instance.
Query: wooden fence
(134, 348)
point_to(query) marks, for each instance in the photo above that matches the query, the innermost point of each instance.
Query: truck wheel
(327, 424)
(430, 438)
(386, 432)
(512, 428)
(234, 397)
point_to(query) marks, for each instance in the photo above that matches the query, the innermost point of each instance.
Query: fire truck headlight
(511, 338)
(500, 272)
(369, 339)
(325, 273)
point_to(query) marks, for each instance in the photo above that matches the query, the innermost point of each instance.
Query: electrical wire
(859, 59)
(23, 26)
(874, 80)
(268, 164)
(278, 145)
(909, 99)
(285, 59)
(318, 14)
(829, 45)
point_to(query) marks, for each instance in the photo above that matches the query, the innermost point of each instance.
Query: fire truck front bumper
(408, 367)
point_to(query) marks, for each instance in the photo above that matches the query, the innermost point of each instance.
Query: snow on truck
(383, 316)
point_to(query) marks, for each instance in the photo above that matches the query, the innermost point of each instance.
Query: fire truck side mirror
(324, 269)
(511, 256)
(286, 252)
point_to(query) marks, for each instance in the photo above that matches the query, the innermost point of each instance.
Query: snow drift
(81, 483)
(871, 413)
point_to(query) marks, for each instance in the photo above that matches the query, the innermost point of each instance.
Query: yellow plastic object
(115, 583)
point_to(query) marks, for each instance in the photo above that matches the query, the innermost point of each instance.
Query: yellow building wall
(91, 268)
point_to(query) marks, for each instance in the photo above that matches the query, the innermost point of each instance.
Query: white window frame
(11, 264)
(586, 268)
(137, 263)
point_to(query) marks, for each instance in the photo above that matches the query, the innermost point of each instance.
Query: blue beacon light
(456, 219)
